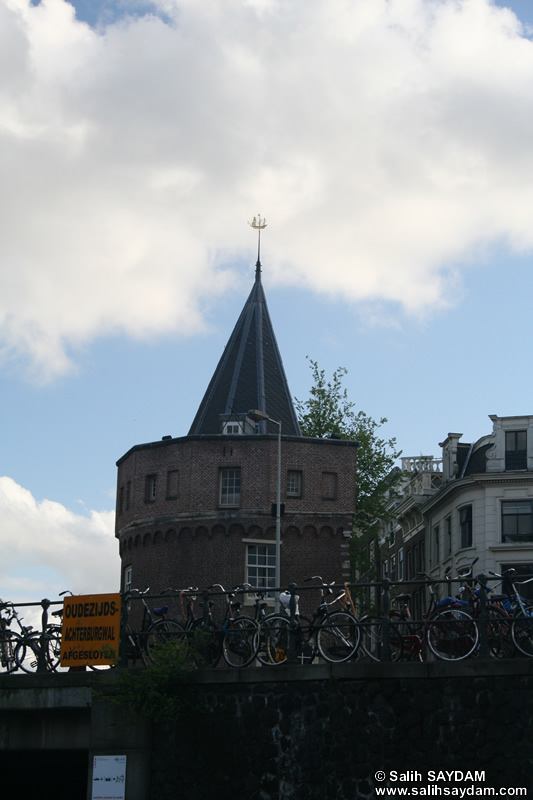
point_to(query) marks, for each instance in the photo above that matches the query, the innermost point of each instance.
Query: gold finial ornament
(258, 223)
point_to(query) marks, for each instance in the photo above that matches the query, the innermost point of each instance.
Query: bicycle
(332, 633)
(446, 628)
(156, 630)
(496, 621)
(8, 640)
(372, 632)
(199, 635)
(34, 650)
(240, 640)
(520, 611)
(236, 638)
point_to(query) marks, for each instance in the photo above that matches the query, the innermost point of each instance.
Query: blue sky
(388, 144)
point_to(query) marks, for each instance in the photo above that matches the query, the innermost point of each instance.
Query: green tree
(329, 411)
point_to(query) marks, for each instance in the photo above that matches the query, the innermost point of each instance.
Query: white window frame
(229, 497)
(294, 483)
(265, 563)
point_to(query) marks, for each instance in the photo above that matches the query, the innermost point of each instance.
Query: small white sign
(109, 778)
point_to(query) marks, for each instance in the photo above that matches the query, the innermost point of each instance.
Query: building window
(393, 568)
(392, 534)
(329, 486)
(150, 488)
(517, 521)
(515, 450)
(261, 567)
(436, 544)
(230, 487)
(449, 544)
(294, 483)
(173, 484)
(409, 565)
(465, 525)
(400, 564)
(128, 573)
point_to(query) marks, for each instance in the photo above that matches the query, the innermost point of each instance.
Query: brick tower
(198, 509)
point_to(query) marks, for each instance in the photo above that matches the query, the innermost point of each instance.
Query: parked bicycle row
(452, 629)
(475, 622)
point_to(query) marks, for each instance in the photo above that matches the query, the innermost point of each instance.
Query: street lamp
(260, 416)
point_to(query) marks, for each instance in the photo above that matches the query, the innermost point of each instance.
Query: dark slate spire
(249, 375)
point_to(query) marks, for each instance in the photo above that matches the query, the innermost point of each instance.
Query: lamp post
(261, 416)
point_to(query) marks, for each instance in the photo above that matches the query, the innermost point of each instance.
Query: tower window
(128, 573)
(230, 487)
(150, 488)
(294, 483)
(261, 566)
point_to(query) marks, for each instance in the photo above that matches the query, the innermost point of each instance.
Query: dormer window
(515, 450)
(232, 428)
(236, 424)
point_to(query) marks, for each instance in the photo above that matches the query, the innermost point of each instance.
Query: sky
(388, 144)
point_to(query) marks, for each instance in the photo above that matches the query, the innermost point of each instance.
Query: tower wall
(174, 532)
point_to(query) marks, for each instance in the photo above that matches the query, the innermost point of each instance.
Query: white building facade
(484, 508)
(476, 502)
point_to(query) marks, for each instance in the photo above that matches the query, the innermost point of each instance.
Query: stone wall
(328, 737)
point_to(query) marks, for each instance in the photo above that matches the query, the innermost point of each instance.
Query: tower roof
(249, 374)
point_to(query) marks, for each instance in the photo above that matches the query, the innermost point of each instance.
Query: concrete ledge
(74, 689)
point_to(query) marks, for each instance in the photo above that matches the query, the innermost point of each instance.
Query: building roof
(249, 374)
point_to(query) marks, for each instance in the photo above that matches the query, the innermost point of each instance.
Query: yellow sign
(91, 630)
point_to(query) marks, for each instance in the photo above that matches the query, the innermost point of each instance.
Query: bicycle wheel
(29, 648)
(338, 637)
(160, 634)
(240, 644)
(8, 645)
(305, 641)
(452, 635)
(204, 641)
(372, 640)
(522, 632)
(499, 633)
(274, 640)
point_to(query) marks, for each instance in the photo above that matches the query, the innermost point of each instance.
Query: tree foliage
(327, 412)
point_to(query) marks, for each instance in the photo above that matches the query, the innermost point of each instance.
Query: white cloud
(384, 140)
(46, 548)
